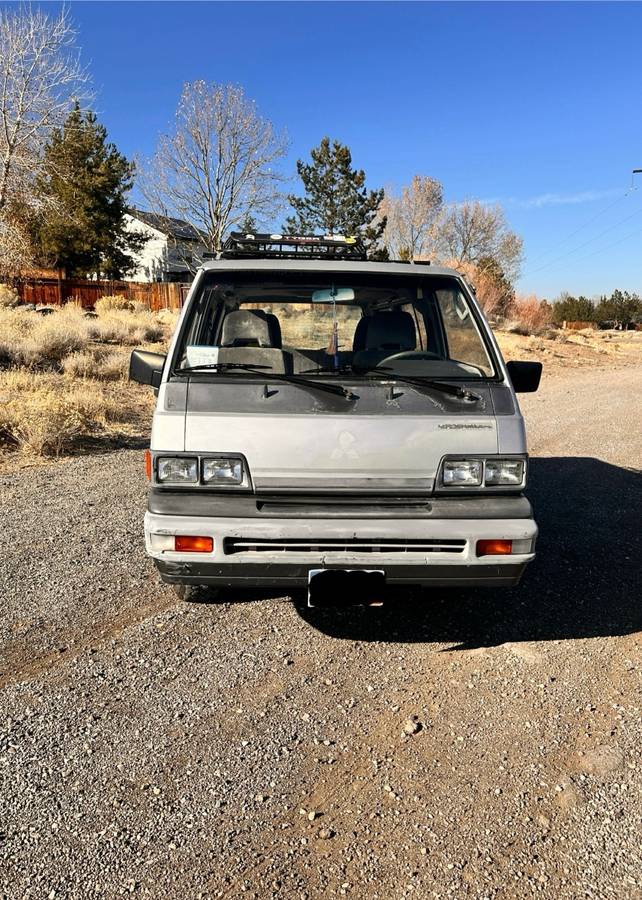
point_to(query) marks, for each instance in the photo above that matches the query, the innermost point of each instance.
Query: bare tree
(473, 232)
(413, 218)
(216, 168)
(15, 249)
(40, 75)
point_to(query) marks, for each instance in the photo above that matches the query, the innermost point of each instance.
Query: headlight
(482, 473)
(462, 472)
(177, 470)
(223, 471)
(504, 471)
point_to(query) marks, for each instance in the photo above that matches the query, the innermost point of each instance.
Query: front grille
(350, 546)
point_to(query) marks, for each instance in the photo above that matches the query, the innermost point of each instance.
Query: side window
(465, 343)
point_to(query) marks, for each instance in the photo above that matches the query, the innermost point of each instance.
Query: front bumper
(281, 551)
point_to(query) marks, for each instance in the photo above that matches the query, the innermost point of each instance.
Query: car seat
(381, 335)
(253, 337)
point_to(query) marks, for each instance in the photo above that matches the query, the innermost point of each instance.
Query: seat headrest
(359, 339)
(250, 328)
(394, 331)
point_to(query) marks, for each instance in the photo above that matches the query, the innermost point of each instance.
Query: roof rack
(292, 246)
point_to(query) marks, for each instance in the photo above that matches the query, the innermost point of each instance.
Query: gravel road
(481, 744)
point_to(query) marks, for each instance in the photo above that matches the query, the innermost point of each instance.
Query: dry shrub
(139, 306)
(33, 340)
(111, 303)
(8, 296)
(61, 340)
(119, 303)
(490, 294)
(96, 363)
(15, 325)
(46, 414)
(126, 328)
(53, 337)
(529, 315)
(169, 317)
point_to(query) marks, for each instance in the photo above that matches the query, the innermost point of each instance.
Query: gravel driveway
(479, 744)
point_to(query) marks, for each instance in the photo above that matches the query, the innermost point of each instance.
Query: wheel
(195, 593)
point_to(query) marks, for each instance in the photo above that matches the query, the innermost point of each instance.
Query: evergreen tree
(621, 307)
(502, 287)
(247, 225)
(336, 200)
(87, 180)
(573, 309)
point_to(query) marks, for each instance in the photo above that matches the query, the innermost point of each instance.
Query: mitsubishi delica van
(336, 423)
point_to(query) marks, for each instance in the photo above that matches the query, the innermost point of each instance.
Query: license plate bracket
(346, 587)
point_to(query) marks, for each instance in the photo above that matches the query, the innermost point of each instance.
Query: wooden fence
(56, 291)
(578, 325)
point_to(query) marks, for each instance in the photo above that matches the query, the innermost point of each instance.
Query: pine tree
(247, 225)
(502, 286)
(87, 179)
(336, 200)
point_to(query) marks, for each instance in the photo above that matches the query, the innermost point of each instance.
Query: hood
(391, 440)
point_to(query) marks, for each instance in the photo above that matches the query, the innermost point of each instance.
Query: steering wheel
(410, 355)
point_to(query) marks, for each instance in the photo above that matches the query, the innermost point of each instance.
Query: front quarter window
(465, 344)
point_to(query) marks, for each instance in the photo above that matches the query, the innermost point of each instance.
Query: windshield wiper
(445, 387)
(222, 366)
(335, 389)
(345, 369)
(416, 381)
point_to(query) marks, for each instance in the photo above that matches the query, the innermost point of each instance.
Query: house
(174, 249)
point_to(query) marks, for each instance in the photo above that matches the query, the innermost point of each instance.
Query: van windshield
(369, 325)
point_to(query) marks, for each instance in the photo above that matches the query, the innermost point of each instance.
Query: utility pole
(634, 173)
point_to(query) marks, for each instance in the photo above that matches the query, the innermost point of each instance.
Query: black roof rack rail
(291, 246)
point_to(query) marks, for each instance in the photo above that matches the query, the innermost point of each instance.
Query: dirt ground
(483, 744)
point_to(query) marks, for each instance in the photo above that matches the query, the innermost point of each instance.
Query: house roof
(176, 228)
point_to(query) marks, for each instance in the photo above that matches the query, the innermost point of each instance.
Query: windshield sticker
(201, 355)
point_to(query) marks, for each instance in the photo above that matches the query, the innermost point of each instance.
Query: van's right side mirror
(525, 376)
(146, 367)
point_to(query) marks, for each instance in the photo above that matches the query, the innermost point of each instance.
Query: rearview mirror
(333, 295)
(525, 376)
(146, 367)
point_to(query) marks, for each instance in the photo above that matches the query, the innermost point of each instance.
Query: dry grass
(561, 350)
(36, 341)
(47, 414)
(168, 317)
(97, 362)
(8, 296)
(131, 328)
(118, 303)
(64, 377)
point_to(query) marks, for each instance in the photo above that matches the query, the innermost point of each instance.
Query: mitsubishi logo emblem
(345, 448)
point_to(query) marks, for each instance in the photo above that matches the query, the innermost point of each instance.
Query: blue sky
(534, 105)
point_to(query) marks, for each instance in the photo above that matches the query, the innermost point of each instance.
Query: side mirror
(525, 376)
(146, 367)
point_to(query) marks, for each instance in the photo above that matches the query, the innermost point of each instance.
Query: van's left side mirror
(525, 376)
(146, 367)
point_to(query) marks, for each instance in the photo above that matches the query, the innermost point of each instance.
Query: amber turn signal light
(187, 543)
(494, 548)
(148, 464)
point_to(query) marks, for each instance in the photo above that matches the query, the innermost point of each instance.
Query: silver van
(328, 421)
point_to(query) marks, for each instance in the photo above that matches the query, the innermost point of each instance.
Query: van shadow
(584, 582)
